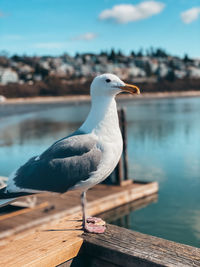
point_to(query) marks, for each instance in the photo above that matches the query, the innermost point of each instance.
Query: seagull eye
(108, 80)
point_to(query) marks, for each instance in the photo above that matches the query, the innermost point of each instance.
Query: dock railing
(125, 248)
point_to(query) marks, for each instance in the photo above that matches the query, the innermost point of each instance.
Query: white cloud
(1, 14)
(88, 36)
(50, 45)
(125, 13)
(190, 15)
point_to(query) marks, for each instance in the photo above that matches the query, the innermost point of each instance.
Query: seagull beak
(130, 88)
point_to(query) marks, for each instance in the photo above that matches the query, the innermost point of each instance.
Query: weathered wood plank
(121, 197)
(100, 199)
(59, 239)
(123, 247)
(22, 211)
(47, 245)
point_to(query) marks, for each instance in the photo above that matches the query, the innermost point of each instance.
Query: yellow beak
(133, 89)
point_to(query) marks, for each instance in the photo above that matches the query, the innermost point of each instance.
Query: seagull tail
(5, 202)
(6, 198)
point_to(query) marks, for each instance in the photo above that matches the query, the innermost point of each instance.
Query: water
(163, 145)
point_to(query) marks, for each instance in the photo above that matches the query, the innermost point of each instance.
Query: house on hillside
(194, 72)
(7, 75)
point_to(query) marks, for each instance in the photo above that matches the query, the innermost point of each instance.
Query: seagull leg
(91, 224)
(83, 204)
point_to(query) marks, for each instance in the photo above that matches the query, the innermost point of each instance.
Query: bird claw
(95, 225)
(94, 229)
(96, 221)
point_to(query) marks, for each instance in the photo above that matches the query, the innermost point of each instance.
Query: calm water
(163, 145)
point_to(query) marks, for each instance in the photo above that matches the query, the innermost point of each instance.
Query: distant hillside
(56, 88)
(153, 71)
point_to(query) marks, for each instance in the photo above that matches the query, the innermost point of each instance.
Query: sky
(54, 27)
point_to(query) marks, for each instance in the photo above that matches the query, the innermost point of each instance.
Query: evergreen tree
(132, 54)
(186, 58)
(171, 76)
(140, 53)
(160, 53)
(120, 54)
(112, 55)
(77, 55)
(147, 69)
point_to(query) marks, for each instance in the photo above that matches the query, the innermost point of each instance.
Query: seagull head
(110, 85)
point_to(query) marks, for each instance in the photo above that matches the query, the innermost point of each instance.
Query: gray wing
(60, 167)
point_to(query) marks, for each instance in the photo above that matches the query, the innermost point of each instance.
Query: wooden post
(121, 170)
(124, 135)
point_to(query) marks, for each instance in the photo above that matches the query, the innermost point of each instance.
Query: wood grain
(47, 245)
(59, 239)
(22, 211)
(124, 247)
(100, 198)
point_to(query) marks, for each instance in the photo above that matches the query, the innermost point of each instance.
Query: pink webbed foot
(95, 225)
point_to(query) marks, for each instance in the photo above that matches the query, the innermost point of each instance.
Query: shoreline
(86, 98)
(18, 106)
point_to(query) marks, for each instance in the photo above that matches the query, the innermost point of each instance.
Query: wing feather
(60, 167)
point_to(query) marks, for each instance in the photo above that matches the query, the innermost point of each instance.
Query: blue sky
(42, 27)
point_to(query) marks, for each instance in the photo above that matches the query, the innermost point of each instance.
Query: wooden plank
(47, 245)
(123, 247)
(123, 195)
(59, 239)
(100, 198)
(126, 182)
(22, 211)
(58, 207)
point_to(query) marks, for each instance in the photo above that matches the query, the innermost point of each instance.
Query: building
(7, 75)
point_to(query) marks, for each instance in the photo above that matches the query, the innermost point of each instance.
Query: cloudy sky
(41, 27)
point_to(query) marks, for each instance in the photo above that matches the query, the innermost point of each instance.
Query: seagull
(81, 160)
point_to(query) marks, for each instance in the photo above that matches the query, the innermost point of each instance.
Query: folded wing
(60, 167)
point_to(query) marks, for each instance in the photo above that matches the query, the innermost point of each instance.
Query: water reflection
(121, 216)
(163, 145)
(33, 130)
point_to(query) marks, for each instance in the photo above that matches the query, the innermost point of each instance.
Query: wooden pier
(50, 233)
(125, 248)
(60, 241)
